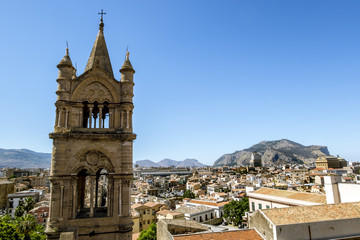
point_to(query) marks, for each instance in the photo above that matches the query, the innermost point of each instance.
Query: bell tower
(91, 165)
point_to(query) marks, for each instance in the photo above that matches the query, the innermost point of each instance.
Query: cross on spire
(102, 13)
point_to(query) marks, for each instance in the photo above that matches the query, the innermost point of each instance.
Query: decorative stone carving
(96, 91)
(92, 158)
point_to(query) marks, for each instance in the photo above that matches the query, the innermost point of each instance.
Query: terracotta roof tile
(305, 214)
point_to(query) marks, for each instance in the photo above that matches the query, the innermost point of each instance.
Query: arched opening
(86, 113)
(101, 193)
(84, 193)
(95, 113)
(105, 115)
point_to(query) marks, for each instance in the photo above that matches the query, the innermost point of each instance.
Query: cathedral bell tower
(91, 165)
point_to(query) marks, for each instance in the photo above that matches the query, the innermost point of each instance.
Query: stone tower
(255, 160)
(91, 165)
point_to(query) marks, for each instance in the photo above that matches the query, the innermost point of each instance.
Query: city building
(327, 162)
(328, 221)
(91, 165)
(14, 199)
(255, 160)
(6, 187)
(265, 198)
(145, 214)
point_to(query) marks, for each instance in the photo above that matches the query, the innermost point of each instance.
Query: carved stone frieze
(96, 91)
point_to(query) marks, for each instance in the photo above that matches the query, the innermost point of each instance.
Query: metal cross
(102, 13)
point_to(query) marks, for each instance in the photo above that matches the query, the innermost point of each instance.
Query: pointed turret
(127, 88)
(127, 64)
(65, 61)
(99, 55)
(66, 74)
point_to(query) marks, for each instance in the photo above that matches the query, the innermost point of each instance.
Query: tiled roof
(163, 212)
(152, 204)
(192, 209)
(231, 235)
(305, 214)
(309, 197)
(209, 203)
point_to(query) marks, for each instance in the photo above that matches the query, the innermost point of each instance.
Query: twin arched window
(96, 115)
(92, 198)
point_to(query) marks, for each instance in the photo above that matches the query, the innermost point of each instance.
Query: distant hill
(274, 152)
(169, 162)
(24, 158)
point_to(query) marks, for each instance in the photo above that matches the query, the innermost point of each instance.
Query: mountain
(169, 162)
(274, 152)
(147, 163)
(24, 158)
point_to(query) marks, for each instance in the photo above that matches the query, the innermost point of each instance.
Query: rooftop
(230, 235)
(307, 214)
(216, 204)
(309, 197)
(192, 209)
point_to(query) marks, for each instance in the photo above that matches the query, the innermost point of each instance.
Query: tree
(149, 234)
(188, 194)
(234, 211)
(24, 226)
(8, 229)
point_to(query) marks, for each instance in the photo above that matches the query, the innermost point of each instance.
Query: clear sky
(212, 77)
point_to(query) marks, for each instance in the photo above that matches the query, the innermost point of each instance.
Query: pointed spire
(127, 64)
(99, 55)
(65, 61)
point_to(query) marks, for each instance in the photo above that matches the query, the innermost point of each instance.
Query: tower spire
(101, 24)
(99, 55)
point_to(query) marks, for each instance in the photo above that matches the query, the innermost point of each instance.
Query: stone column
(100, 117)
(120, 197)
(127, 119)
(59, 120)
(61, 200)
(92, 182)
(90, 117)
(109, 194)
(56, 117)
(66, 117)
(75, 200)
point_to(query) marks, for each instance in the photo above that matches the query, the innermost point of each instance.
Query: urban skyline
(210, 78)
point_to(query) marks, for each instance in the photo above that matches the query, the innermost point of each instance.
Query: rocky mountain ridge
(274, 152)
(24, 158)
(169, 162)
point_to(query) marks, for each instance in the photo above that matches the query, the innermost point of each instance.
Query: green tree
(28, 204)
(188, 194)
(148, 234)
(8, 229)
(234, 211)
(25, 225)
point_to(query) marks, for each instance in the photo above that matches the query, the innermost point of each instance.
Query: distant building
(144, 215)
(181, 229)
(329, 221)
(255, 160)
(6, 187)
(326, 162)
(266, 198)
(340, 192)
(14, 200)
(41, 214)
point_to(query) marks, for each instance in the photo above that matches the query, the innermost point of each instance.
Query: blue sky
(212, 77)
